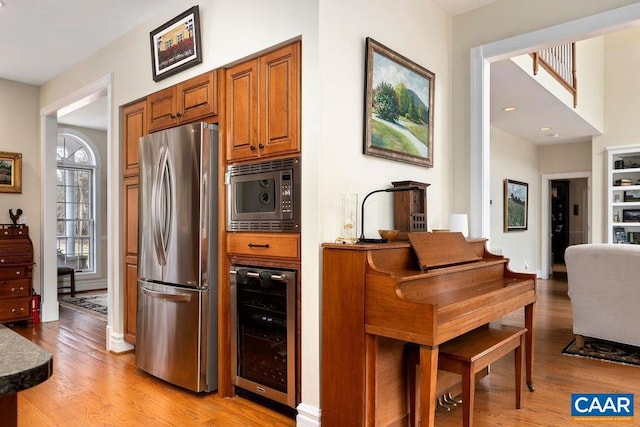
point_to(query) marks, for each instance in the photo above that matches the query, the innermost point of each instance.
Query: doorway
(49, 115)
(559, 221)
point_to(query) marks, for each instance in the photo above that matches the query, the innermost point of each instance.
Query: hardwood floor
(91, 386)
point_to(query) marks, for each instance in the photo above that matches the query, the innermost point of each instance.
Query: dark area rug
(93, 305)
(595, 348)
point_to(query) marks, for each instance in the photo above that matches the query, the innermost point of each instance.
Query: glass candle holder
(348, 218)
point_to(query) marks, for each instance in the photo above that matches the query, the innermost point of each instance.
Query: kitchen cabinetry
(183, 103)
(623, 194)
(263, 105)
(134, 127)
(16, 273)
(264, 245)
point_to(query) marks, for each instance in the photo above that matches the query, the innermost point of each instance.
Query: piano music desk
(375, 299)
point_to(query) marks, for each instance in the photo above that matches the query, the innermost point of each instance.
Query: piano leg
(528, 321)
(428, 380)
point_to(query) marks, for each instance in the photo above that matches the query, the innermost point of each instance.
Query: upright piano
(378, 297)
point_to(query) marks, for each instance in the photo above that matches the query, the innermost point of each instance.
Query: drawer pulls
(14, 289)
(13, 310)
(257, 245)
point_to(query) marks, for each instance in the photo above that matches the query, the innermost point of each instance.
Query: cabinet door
(161, 109)
(242, 111)
(135, 126)
(280, 101)
(197, 97)
(130, 257)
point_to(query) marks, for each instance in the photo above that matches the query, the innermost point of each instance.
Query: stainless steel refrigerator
(177, 335)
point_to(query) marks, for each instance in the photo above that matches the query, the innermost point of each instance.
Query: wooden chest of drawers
(16, 273)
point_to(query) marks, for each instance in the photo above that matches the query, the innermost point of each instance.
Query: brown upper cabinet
(185, 102)
(135, 126)
(263, 105)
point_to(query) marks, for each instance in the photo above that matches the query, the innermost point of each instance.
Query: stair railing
(560, 62)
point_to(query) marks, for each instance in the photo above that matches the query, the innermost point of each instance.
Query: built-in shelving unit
(623, 194)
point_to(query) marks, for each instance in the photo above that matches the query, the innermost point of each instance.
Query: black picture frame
(175, 45)
(631, 215)
(632, 196)
(619, 235)
(394, 84)
(516, 205)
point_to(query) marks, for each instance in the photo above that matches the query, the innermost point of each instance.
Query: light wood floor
(93, 387)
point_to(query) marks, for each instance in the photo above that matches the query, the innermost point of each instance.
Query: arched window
(75, 202)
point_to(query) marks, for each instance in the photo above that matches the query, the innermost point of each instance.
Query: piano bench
(466, 355)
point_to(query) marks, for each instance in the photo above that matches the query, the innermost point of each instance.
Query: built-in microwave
(264, 196)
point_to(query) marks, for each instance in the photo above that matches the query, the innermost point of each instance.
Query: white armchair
(604, 287)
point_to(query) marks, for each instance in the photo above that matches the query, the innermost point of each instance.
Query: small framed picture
(632, 196)
(631, 215)
(619, 235)
(10, 172)
(175, 45)
(516, 205)
(634, 237)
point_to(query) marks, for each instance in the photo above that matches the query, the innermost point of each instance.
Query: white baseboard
(116, 342)
(308, 416)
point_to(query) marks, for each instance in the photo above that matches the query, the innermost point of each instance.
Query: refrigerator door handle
(168, 297)
(161, 209)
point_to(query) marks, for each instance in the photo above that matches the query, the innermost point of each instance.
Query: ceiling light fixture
(1, 3)
(554, 135)
(509, 109)
(545, 128)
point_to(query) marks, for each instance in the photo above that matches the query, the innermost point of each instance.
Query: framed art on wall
(516, 205)
(398, 107)
(175, 45)
(10, 172)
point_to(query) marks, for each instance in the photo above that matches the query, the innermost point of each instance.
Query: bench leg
(579, 341)
(518, 369)
(468, 394)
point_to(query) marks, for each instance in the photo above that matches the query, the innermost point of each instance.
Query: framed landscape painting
(516, 205)
(10, 172)
(398, 107)
(175, 45)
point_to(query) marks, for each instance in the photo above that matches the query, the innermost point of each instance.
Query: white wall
(419, 31)
(516, 159)
(575, 157)
(622, 109)
(19, 133)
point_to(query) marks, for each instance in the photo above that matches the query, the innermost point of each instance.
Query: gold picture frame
(10, 172)
(399, 107)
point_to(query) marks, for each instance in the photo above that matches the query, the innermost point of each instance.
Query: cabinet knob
(13, 289)
(252, 147)
(18, 273)
(172, 116)
(179, 115)
(261, 146)
(2, 261)
(13, 310)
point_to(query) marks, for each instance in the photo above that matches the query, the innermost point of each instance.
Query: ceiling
(62, 34)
